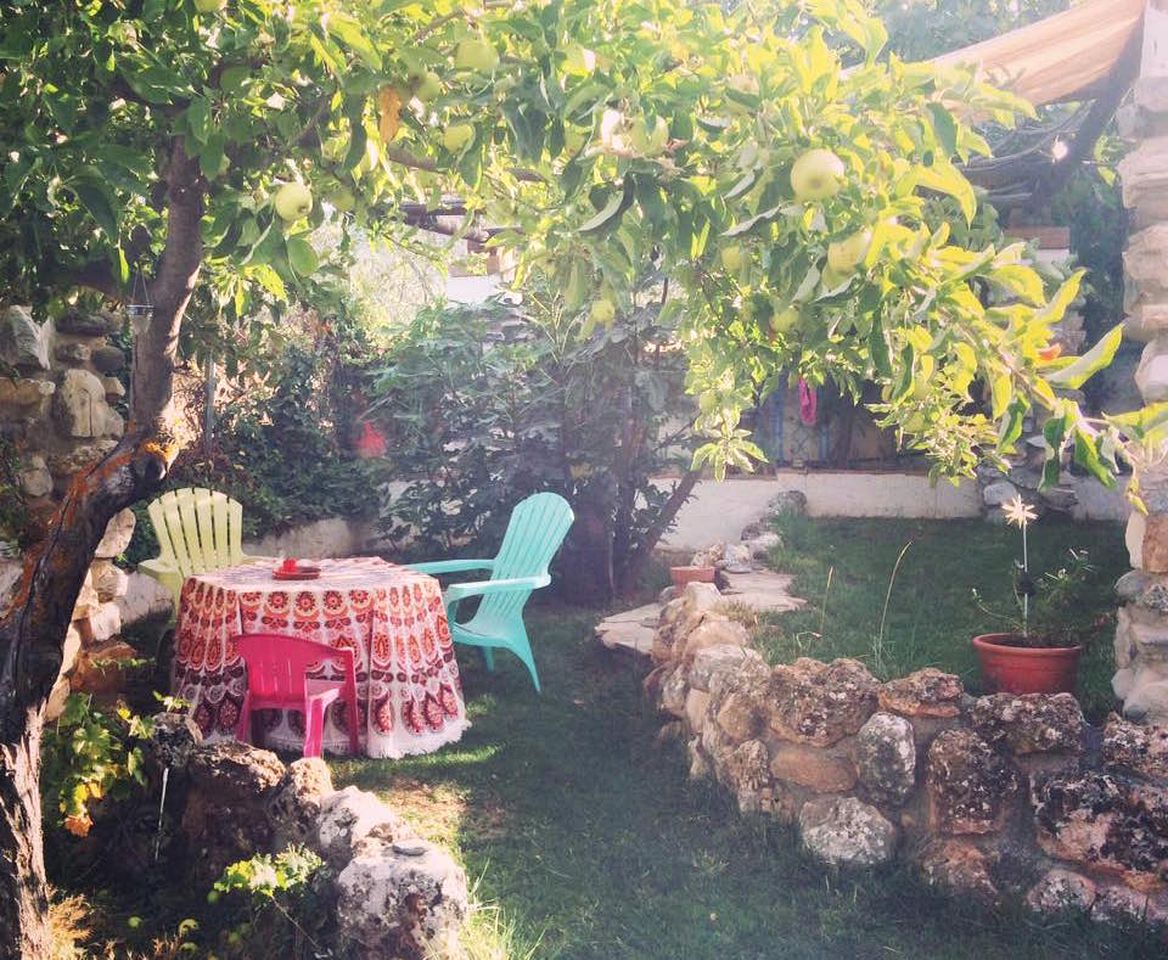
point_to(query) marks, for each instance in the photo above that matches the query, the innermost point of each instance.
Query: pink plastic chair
(277, 678)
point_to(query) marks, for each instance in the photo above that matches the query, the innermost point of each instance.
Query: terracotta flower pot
(683, 575)
(1007, 668)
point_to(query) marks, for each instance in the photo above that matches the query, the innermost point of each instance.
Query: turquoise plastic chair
(537, 528)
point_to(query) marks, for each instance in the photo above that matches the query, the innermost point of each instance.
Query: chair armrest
(478, 588)
(451, 566)
(157, 568)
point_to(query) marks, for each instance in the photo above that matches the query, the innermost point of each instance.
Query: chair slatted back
(198, 529)
(278, 666)
(537, 528)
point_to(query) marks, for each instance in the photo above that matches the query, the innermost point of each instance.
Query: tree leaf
(302, 257)
(1099, 356)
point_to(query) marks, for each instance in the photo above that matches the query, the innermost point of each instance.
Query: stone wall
(382, 892)
(1000, 798)
(58, 407)
(1141, 639)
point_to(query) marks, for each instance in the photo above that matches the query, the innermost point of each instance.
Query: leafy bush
(87, 755)
(488, 404)
(282, 451)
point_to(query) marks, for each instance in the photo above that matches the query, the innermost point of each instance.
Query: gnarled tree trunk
(32, 634)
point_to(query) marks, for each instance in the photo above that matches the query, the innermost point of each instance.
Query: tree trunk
(631, 573)
(24, 905)
(32, 634)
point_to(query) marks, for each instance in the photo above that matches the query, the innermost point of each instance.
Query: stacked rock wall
(1001, 797)
(1141, 640)
(58, 395)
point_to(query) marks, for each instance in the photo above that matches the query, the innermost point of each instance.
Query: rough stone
(1143, 688)
(792, 502)
(102, 623)
(1135, 749)
(27, 396)
(1106, 822)
(87, 599)
(58, 697)
(1143, 261)
(1152, 374)
(812, 767)
(24, 343)
(71, 649)
(696, 703)
(1154, 548)
(994, 495)
(66, 464)
(673, 691)
(35, 479)
(699, 763)
(745, 771)
(959, 867)
(401, 900)
(173, 739)
(351, 814)
(1030, 723)
(75, 354)
(1061, 891)
(886, 758)
(1121, 906)
(681, 616)
(108, 359)
(224, 819)
(740, 715)
(145, 597)
(117, 536)
(101, 667)
(715, 630)
(969, 786)
(711, 663)
(84, 323)
(736, 558)
(821, 703)
(846, 832)
(79, 405)
(763, 544)
(109, 580)
(113, 387)
(294, 808)
(1148, 591)
(923, 693)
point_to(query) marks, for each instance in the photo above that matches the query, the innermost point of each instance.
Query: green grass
(586, 840)
(931, 614)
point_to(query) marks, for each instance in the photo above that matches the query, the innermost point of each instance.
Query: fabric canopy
(1065, 57)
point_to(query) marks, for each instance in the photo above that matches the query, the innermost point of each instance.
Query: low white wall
(719, 511)
(333, 537)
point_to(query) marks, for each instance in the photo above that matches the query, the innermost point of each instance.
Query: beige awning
(1064, 57)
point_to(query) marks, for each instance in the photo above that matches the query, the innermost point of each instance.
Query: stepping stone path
(763, 591)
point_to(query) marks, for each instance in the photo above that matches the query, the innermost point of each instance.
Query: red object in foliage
(808, 403)
(371, 443)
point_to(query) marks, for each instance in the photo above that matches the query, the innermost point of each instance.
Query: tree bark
(32, 633)
(635, 568)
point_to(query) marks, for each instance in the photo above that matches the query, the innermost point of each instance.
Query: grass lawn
(931, 614)
(585, 839)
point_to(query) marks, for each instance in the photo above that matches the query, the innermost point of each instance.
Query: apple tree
(771, 162)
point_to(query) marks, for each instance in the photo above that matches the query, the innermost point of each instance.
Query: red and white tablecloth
(409, 691)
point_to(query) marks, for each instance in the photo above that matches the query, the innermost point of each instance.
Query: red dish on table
(299, 572)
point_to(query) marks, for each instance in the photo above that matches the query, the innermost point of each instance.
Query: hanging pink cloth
(807, 403)
(371, 443)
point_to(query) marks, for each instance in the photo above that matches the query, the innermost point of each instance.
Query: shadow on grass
(589, 841)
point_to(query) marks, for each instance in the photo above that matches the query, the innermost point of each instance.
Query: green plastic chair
(198, 530)
(537, 527)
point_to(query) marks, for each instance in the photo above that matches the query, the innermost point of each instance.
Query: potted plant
(1038, 649)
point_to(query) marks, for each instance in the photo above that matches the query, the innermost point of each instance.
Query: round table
(391, 617)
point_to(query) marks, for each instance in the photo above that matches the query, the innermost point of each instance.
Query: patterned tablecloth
(409, 692)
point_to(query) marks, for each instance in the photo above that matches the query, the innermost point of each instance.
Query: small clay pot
(1008, 667)
(683, 575)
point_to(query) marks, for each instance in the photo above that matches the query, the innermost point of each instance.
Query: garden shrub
(487, 404)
